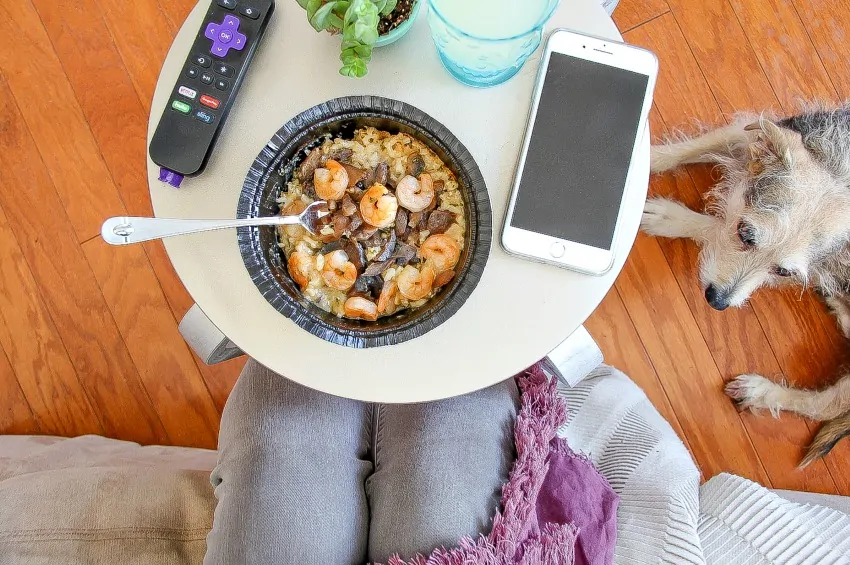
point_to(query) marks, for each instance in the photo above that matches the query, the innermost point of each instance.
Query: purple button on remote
(225, 36)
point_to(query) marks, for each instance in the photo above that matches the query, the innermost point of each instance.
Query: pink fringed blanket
(556, 508)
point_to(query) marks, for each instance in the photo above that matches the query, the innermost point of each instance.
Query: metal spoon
(123, 230)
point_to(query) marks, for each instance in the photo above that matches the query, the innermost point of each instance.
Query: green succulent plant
(357, 20)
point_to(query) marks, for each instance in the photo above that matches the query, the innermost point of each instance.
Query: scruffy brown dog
(779, 215)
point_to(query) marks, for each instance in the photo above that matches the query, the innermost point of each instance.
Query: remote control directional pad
(225, 36)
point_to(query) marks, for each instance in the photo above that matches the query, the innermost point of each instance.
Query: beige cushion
(95, 500)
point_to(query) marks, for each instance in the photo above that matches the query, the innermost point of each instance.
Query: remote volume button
(181, 107)
(202, 61)
(192, 72)
(252, 13)
(224, 70)
(228, 4)
(221, 84)
(209, 101)
(207, 77)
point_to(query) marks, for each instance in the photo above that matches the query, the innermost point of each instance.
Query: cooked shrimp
(387, 297)
(440, 251)
(293, 209)
(331, 181)
(302, 267)
(338, 272)
(359, 307)
(414, 284)
(413, 194)
(378, 207)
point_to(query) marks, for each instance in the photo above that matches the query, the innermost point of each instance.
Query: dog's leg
(753, 391)
(841, 310)
(668, 218)
(696, 150)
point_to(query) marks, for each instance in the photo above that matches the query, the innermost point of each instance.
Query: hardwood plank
(682, 96)
(67, 285)
(16, 417)
(88, 55)
(827, 22)
(613, 330)
(166, 367)
(41, 364)
(142, 34)
(631, 13)
(721, 47)
(684, 365)
(785, 52)
(176, 12)
(51, 112)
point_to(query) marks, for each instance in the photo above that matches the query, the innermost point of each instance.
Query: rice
(366, 151)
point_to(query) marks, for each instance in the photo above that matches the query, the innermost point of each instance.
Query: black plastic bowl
(274, 167)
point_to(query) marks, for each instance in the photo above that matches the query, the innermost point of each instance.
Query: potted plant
(364, 24)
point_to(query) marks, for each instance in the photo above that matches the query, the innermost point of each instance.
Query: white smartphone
(588, 115)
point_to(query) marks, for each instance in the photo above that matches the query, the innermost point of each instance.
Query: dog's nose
(715, 298)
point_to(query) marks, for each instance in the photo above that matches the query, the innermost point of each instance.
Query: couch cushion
(94, 500)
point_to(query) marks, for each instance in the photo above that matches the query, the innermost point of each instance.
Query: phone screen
(580, 151)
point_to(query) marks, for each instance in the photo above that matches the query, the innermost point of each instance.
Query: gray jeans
(305, 477)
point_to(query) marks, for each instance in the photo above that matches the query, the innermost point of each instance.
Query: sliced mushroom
(388, 248)
(349, 208)
(364, 232)
(356, 221)
(439, 186)
(376, 269)
(401, 222)
(378, 175)
(340, 155)
(414, 220)
(331, 247)
(355, 253)
(404, 254)
(413, 238)
(356, 193)
(355, 175)
(308, 166)
(368, 286)
(376, 240)
(416, 165)
(439, 221)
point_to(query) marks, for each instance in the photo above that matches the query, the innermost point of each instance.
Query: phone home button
(557, 250)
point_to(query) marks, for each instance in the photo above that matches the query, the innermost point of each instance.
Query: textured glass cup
(484, 43)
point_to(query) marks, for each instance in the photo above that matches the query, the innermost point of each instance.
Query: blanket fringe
(511, 540)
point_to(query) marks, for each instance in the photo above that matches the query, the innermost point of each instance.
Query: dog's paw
(755, 392)
(668, 218)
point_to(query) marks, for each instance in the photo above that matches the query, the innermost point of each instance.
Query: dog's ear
(772, 140)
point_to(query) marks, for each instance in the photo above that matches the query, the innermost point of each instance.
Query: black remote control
(208, 84)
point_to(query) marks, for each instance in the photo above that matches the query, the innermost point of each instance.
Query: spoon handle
(123, 230)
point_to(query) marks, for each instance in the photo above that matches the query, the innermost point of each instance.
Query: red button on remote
(209, 101)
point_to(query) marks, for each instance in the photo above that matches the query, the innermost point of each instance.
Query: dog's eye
(746, 234)
(782, 271)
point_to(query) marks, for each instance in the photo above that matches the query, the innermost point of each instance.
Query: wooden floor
(88, 334)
